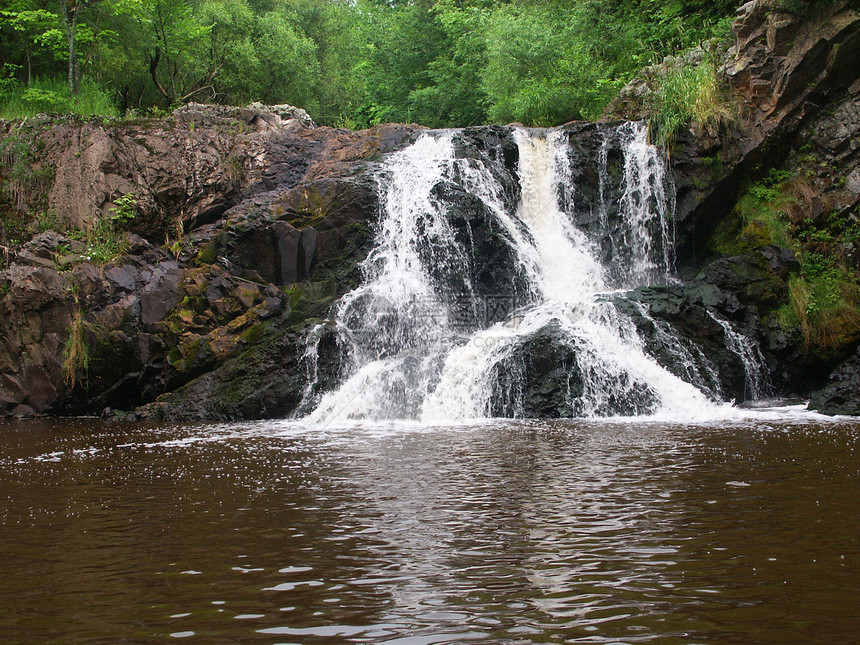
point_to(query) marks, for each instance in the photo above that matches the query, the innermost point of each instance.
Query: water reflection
(502, 532)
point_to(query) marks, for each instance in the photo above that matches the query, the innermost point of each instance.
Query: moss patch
(207, 254)
(799, 206)
(254, 334)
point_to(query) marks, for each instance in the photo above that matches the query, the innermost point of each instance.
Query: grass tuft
(76, 355)
(689, 94)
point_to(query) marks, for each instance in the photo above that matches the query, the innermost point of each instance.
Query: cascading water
(475, 305)
(395, 327)
(756, 380)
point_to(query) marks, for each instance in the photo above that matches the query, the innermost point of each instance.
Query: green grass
(689, 94)
(762, 221)
(76, 354)
(51, 95)
(106, 238)
(824, 303)
(104, 243)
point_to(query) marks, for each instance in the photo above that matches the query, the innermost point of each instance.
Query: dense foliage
(353, 63)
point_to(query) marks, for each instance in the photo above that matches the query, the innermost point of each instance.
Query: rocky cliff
(246, 225)
(769, 205)
(239, 227)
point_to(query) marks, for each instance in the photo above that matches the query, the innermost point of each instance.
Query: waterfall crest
(483, 296)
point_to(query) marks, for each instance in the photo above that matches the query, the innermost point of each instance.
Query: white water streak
(756, 377)
(395, 322)
(647, 205)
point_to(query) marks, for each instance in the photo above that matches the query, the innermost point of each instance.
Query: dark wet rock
(539, 379)
(841, 395)
(758, 278)
(680, 328)
(543, 377)
(787, 65)
(22, 412)
(493, 143)
(188, 170)
(265, 381)
(123, 277)
(490, 270)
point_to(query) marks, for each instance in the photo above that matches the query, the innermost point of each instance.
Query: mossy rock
(758, 278)
(207, 254)
(196, 355)
(254, 334)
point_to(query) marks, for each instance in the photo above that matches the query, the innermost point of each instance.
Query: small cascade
(396, 325)
(566, 270)
(474, 305)
(756, 377)
(647, 203)
(632, 221)
(689, 362)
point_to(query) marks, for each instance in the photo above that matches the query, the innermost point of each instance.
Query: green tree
(28, 30)
(69, 10)
(291, 70)
(355, 62)
(539, 69)
(453, 95)
(229, 64)
(405, 39)
(338, 30)
(170, 39)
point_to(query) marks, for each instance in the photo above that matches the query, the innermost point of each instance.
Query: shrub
(106, 240)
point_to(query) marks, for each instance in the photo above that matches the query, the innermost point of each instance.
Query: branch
(153, 68)
(96, 32)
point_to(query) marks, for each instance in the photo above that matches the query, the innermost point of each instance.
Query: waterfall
(396, 326)
(483, 297)
(756, 378)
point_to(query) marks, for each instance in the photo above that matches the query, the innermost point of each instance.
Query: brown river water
(737, 531)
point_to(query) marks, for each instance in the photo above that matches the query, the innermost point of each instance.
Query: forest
(349, 63)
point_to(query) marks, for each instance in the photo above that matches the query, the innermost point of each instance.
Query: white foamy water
(395, 324)
(407, 356)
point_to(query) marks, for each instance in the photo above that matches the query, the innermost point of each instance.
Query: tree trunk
(70, 20)
(153, 72)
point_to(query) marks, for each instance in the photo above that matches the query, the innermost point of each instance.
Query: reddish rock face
(246, 202)
(782, 66)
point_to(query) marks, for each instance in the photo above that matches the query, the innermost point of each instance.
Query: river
(744, 530)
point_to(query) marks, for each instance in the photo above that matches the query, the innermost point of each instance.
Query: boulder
(841, 395)
(539, 378)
